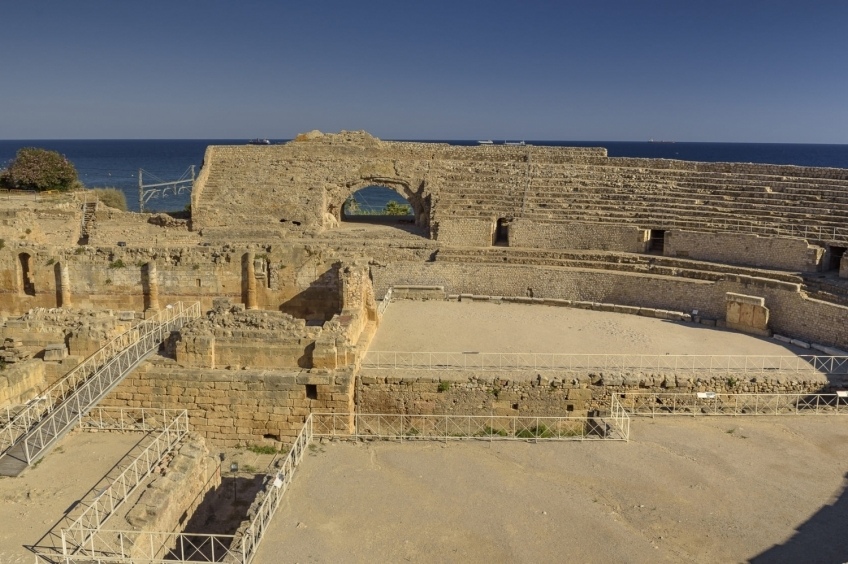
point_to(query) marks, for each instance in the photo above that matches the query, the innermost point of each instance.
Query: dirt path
(686, 490)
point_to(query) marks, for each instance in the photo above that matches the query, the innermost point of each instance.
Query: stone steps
(653, 264)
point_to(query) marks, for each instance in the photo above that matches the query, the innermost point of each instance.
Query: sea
(119, 163)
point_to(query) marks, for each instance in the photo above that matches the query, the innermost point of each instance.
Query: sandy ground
(686, 490)
(439, 326)
(32, 503)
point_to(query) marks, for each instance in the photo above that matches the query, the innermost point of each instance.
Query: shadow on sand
(822, 538)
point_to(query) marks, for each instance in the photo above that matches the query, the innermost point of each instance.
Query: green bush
(111, 197)
(40, 169)
(396, 208)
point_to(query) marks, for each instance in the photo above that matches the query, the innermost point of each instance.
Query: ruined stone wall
(236, 407)
(21, 382)
(460, 192)
(300, 279)
(791, 312)
(738, 248)
(548, 393)
(165, 505)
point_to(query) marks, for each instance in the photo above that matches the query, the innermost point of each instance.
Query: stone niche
(747, 314)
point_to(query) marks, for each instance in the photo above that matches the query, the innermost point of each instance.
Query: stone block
(55, 352)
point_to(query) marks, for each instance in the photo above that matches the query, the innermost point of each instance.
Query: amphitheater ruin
(535, 294)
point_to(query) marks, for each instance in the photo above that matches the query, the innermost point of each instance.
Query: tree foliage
(40, 169)
(396, 208)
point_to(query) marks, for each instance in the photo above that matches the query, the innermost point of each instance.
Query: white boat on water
(514, 143)
(486, 142)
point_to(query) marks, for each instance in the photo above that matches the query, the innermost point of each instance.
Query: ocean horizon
(115, 163)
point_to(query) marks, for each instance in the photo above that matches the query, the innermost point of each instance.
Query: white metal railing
(112, 491)
(277, 485)
(384, 304)
(86, 540)
(154, 547)
(718, 403)
(696, 364)
(102, 545)
(65, 402)
(614, 427)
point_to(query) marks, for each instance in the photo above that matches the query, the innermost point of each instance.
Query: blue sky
(747, 71)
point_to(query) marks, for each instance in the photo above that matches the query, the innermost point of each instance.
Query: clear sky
(685, 70)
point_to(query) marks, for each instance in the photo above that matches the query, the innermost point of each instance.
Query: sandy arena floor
(685, 490)
(438, 326)
(33, 502)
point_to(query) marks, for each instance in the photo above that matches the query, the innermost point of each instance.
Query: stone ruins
(292, 290)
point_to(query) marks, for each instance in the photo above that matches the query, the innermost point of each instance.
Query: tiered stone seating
(603, 260)
(754, 198)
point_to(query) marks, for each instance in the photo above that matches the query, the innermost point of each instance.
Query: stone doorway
(27, 284)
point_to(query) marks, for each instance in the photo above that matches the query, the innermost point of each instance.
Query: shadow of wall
(820, 539)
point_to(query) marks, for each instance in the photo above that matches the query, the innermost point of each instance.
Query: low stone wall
(549, 393)
(750, 250)
(236, 407)
(172, 497)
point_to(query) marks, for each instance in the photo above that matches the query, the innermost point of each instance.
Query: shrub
(117, 264)
(40, 169)
(444, 386)
(263, 449)
(539, 432)
(111, 197)
(396, 208)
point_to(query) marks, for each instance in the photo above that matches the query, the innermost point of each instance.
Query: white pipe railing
(392, 426)
(718, 403)
(696, 364)
(384, 303)
(102, 502)
(103, 545)
(114, 546)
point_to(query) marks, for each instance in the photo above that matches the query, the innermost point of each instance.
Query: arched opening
(502, 233)
(26, 282)
(377, 204)
(384, 206)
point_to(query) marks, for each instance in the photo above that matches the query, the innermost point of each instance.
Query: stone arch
(413, 192)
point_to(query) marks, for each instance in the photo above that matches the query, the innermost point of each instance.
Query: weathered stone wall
(297, 278)
(171, 498)
(791, 312)
(570, 235)
(236, 407)
(468, 232)
(461, 191)
(738, 248)
(548, 393)
(21, 382)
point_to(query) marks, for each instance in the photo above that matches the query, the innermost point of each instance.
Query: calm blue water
(115, 163)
